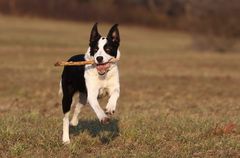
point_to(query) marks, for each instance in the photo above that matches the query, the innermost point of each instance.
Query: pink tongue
(103, 68)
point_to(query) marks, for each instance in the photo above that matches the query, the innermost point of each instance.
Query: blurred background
(179, 74)
(214, 24)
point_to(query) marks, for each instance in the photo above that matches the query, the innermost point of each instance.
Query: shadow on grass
(106, 133)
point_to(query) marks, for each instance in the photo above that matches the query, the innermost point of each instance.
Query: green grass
(175, 102)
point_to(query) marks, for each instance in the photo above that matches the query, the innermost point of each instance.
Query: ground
(175, 102)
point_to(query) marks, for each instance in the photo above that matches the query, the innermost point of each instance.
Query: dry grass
(181, 104)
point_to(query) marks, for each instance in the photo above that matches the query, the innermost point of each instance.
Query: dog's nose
(99, 59)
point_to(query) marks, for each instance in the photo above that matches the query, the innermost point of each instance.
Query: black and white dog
(90, 81)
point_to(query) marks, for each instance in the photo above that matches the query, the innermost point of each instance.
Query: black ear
(95, 36)
(113, 34)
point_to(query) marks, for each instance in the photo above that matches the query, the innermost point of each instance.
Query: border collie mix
(91, 81)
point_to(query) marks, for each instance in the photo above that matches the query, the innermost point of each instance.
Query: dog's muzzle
(103, 68)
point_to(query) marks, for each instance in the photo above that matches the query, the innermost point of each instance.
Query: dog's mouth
(103, 68)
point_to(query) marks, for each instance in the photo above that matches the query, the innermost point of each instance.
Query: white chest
(92, 78)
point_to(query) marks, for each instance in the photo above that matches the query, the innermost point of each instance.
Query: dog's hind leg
(65, 137)
(82, 101)
(66, 105)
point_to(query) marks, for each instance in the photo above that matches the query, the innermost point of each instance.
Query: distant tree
(152, 5)
(12, 6)
(214, 23)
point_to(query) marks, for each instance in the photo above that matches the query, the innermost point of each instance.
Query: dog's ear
(113, 34)
(95, 36)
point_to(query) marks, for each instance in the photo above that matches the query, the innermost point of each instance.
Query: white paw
(66, 141)
(110, 110)
(105, 120)
(74, 122)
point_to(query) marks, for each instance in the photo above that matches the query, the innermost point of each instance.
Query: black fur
(110, 48)
(72, 81)
(113, 35)
(73, 76)
(94, 38)
(113, 41)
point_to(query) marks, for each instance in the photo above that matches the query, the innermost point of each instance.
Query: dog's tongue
(102, 68)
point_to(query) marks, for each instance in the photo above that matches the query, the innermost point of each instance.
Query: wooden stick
(79, 63)
(72, 63)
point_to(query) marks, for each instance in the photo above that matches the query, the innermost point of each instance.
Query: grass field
(175, 102)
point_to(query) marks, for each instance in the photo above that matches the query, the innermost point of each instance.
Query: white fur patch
(101, 51)
(65, 137)
(60, 92)
(95, 82)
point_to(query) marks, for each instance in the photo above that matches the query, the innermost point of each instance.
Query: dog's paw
(110, 109)
(66, 142)
(74, 122)
(105, 120)
(109, 112)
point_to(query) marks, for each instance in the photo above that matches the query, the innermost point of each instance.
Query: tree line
(215, 18)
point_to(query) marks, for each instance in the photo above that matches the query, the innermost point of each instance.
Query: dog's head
(103, 49)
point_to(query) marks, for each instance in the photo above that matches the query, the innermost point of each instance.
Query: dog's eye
(95, 49)
(108, 49)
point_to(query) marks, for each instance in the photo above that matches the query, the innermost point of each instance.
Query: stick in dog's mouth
(79, 63)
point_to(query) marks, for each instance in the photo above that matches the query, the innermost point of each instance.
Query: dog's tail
(60, 92)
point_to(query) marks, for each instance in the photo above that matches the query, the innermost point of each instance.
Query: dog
(91, 81)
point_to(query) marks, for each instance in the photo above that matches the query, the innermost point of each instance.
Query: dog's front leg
(92, 99)
(112, 102)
